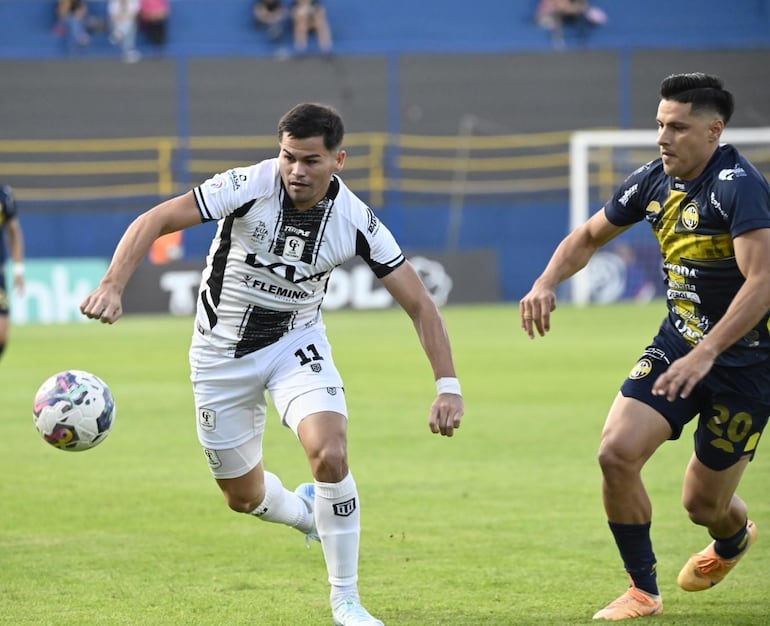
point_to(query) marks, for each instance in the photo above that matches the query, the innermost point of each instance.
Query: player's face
(687, 141)
(306, 168)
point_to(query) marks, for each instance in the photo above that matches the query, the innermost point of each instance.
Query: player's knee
(330, 463)
(615, 461)
(243, 503)
(701, 511)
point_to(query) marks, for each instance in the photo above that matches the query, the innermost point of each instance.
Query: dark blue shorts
(733, 403)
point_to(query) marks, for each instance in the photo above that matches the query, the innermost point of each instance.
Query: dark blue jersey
(7, 213)
(695, 223)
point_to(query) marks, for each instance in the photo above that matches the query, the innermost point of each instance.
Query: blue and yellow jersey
(695, 223)
(7, 212)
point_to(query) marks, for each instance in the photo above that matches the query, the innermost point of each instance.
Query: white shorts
(230, 400)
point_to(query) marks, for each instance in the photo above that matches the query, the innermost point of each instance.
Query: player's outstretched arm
(570, 256)
(405, 286)
(105, 302)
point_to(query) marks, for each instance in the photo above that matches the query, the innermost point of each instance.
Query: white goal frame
(580, 144)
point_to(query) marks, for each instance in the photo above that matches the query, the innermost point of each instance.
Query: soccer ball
(74, 410)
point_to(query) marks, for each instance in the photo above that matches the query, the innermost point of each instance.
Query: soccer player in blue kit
(284, 224)
(11, 246)
(709, 208)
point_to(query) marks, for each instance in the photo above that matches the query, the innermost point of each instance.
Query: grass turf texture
(500, 525)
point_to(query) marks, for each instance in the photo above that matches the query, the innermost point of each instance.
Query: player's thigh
(648, 368)
(5, 325)
(729, 429)
(713, 488)
(229, 397)
(5, 310)
(632, 431)
(238, 471)
(305, 379)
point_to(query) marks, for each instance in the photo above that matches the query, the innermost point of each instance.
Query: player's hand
(683, 375)
(103, 304)
(446, 414)
(535, 309)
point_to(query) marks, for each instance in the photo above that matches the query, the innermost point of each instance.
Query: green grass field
(500, 525)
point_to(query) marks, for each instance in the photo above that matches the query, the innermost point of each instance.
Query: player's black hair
(313, 120)
(704, 91)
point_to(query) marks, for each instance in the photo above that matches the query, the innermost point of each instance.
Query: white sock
(283, 506)
(338, 519)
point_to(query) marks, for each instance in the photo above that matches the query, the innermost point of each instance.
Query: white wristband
(18, 269)
(448, 385)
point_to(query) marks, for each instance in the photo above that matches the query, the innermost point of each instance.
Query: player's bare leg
(632, 433)
(337, 513)
(710, 500)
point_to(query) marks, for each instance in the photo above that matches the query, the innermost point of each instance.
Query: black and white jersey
(269, 263)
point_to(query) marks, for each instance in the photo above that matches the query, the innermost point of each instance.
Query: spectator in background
(124, 17)
(153, 20)
(10, 231)
(310, 16)
(273, 17)
(73, 16)
(555, 15)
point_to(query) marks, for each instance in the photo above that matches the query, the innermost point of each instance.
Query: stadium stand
(223, 27)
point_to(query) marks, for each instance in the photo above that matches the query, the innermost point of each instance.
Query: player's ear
(340, 162)
(715, 129)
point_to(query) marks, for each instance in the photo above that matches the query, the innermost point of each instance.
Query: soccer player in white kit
(283, 225)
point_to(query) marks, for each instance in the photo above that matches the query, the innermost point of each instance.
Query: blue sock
(732, 546)
(635, 546)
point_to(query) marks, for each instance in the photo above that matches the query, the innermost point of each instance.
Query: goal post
(599, 160)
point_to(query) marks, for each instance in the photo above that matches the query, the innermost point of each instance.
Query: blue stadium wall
(206, 27)
(626, 58)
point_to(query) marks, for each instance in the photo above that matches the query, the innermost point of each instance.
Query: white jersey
(269, 263)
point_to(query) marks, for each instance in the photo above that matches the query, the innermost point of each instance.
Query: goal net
(629, 267)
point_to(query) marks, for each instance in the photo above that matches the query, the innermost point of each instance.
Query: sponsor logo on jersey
(216, 184)
(373, 221)
(332, 391)
(236, 179)
(207, 419)
(629, 193)
(276, 290)
(717, 205)
(293, 248)
(657, 353)
(297, 231)
(731, 174)
(641, 369)
(681, 270)
(316, 367)
(690, 217)
(678, 294)
(345, 509)
(260, 233)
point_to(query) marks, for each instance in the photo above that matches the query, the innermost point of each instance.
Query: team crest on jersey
(641, 369)
(316, 367)
(293, 248)
(207, 419)
(690, 217)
